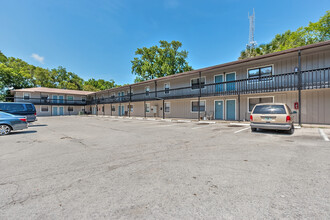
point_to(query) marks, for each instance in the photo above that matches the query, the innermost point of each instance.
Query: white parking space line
(323, 135)
(241, 130)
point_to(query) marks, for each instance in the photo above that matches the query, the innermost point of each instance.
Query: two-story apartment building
(51, 101)
(298, 77)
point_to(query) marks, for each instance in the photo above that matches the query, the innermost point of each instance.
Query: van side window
(15, 107)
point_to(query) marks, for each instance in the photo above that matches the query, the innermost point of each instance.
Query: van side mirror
(294, 112)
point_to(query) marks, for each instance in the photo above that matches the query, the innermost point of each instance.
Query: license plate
(268, 119)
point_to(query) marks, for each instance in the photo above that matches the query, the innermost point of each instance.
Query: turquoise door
(122, 110)
(231, 110)
(61, 99)
(230, 77)
(61, 110)
(218, 79)
(218, 110)
(55, 110)
(119, 110)
(55, 99)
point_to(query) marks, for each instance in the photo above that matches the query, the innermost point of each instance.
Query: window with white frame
(167, 107)
(147, 90)
(194, 106)
(195, 83)
(147, 107)
(258, 100)
(26, 96)
(166, 88)
(69, 98)
(261, 73)
(44, 109)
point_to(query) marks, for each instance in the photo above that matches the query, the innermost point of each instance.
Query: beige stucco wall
(76, 110)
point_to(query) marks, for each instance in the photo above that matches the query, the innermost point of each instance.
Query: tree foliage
(16, 74)
(159, 61)
(313, 33)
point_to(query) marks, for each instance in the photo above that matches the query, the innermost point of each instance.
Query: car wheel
(4, 129)
(291, 131)
(253, 129)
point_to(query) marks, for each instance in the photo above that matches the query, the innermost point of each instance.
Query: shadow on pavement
(37, 125)
(275, 132)
(22, 132)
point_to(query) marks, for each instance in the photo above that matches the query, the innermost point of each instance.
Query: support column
(97, 108)
(145, 112)
(129, 103)
(239, 106)
(199, 97)
(163, 109)
(299, 86)
(111, 109)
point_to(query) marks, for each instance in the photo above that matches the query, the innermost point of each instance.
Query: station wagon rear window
(269, 109)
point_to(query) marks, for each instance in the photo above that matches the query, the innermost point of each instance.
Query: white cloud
(38, 58)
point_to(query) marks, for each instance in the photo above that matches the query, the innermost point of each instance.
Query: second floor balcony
(309, 79)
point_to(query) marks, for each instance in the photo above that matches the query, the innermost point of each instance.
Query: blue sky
(98, 38)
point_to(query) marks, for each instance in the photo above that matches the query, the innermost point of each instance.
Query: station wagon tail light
(35, 113)
(251, 118)
(23, 119)
(288, 118)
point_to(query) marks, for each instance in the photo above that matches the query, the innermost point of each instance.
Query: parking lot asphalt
(107, 168)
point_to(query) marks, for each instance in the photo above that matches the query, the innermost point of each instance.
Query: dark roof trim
(324, 43)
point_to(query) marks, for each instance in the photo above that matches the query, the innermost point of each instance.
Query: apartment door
(94, 110)
(218, 110)
(55, 112)
(54, 99)
(119, 110)
(218, 79)
(60, 99)
(61, 110)
(230, 77)
(231, 110)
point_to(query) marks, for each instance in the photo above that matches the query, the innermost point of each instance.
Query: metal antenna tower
(251, 43)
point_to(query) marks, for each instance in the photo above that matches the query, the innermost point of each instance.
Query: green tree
(97, 85)
(313, 33)
(159, 61)
(3, 58)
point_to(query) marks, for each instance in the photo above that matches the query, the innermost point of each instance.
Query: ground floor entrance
(58, 110)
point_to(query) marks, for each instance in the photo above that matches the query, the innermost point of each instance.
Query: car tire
(253, 129)
(291, 131)
(5, 129)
